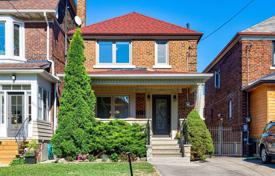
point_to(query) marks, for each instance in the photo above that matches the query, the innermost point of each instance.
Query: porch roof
(266, 79)
(146, 77)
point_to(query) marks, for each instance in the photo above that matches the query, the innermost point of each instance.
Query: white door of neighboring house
(15, 112)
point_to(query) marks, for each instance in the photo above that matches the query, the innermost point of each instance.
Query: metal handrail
(21, 132)
(183, 135)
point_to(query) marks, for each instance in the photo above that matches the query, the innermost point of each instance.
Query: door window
(16, 109)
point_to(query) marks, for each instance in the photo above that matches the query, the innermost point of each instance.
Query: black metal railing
(22, 133)
(183, 135)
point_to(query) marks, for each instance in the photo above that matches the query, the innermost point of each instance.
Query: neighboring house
(143, 69)
(32, 51)
(241, 94)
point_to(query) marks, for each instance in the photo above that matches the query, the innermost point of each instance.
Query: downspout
(53, 72)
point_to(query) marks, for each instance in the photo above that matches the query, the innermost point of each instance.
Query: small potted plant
(30, 152)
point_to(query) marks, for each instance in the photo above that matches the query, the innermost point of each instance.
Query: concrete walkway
(218, 166)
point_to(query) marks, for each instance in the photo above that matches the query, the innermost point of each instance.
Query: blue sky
(204, 16)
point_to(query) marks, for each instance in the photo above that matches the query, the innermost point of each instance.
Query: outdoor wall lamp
(175, 97)
(13, 77)
(148, 97)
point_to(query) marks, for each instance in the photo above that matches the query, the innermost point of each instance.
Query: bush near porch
(198, 136)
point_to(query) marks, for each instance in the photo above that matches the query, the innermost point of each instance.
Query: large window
(110, 52)
(16, 39)
(161, 54)
(2, 38)
(43, 104)
(113, 106)
(230, 109)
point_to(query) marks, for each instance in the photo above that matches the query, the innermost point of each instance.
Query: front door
(15, 112)
(161, 114)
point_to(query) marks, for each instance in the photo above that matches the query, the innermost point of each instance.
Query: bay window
(112, 106)
(113, 54)
(43, 104)
(11, 39)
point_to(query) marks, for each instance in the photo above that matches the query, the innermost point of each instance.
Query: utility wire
(229, 20)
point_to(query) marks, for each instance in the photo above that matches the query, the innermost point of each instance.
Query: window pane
(105, 52)
(40, 104)
(2, 38)
(29, 105)
(103, 106)
(6, 87)
(162, 53)
(122, 52)
(273, 56)
(26, 87)
(16, 40)
(122, 107)
(45, 105)
(2, 105)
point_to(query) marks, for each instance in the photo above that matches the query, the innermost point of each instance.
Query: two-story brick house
(143, 69)
(241, 93)
(32, 52)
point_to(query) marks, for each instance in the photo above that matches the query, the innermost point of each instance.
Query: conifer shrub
(198, 136)
(76, 117)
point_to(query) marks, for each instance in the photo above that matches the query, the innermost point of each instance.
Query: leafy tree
(77, 105)
(199, 136)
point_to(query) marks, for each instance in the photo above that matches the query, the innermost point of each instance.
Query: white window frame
(9, 40)
(114, 64)
(217, 83)
(230, 109)
(162, 65)
(113, 104)
(48, 100)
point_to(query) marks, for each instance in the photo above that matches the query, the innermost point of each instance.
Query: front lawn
(81, 169)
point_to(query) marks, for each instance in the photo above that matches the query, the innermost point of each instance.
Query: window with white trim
(43, 104)
(2, 108)
(161, 54)
(230, 109)
(217, 79)
(113, 106)
(113, 52)
(11, 38)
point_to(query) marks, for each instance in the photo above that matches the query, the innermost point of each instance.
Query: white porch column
(200, 98)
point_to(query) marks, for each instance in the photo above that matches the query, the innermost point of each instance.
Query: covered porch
(164, 99)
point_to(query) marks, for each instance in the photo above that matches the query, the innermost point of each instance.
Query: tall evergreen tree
(77, 105)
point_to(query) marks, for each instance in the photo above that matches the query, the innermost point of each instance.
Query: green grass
(81, 169)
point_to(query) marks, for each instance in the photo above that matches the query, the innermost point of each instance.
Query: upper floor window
(161, 52)
(113, 54)
(273, 53)
(230, 109)
(217, 79)
(11, 39)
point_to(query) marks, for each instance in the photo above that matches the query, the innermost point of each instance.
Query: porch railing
(183, 134)
(22, 133)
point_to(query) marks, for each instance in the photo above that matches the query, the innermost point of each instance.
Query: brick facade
(183, 108)
(182, 55)
(140, 105)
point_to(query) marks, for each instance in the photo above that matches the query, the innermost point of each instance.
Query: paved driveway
(217, 166)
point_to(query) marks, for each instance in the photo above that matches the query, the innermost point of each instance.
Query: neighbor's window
(112, 106)
(2, 38)
(161, 53)
(230, 109)
(2, 107)
(113, 52)
(217, 79)
(273, 53)
(16, 39)
(43, 104)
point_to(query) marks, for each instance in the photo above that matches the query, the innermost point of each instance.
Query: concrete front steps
(8, 151)
(165, 147)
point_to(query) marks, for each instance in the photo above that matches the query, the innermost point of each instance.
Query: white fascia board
(150, 76)
(41, 72)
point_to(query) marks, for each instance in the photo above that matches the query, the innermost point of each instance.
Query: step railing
(183, 134)
(22, 133)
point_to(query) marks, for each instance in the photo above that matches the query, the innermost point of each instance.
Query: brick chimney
(81, 11)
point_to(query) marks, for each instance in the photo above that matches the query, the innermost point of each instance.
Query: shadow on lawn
(259, 162)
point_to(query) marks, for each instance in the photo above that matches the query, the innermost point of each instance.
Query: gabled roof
(264, 29)
(28, 4)
(265, 26)
(136, 24)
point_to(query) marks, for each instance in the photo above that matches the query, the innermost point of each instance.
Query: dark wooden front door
(161, 114)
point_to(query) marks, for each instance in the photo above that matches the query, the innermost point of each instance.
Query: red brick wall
(183, 109)
(140, 105)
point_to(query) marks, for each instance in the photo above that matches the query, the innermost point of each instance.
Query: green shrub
(91, 158)
(118, 137)
(17, 161)
(114, 157)
(77, 105)
(199, 136)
